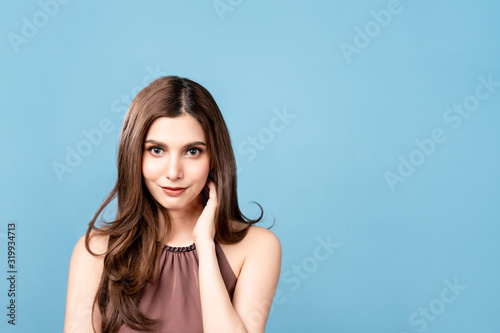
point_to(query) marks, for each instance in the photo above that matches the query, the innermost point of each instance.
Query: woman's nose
(174, 167)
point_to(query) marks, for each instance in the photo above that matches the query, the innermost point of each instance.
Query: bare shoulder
(97, 243)
(85, 265)
(82, 258)
(258, 242)
(260, 239)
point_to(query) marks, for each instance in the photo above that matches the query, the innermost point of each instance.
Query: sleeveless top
(175, 299)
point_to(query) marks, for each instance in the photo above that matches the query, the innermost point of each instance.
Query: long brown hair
(133, 249)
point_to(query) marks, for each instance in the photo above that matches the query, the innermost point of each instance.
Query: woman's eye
(196, 151)
(155, 150)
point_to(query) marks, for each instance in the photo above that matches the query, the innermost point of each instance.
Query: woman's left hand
(204, 231)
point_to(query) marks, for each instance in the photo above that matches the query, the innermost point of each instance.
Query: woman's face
(175, 155)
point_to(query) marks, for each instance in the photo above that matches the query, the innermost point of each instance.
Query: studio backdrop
(369, 130)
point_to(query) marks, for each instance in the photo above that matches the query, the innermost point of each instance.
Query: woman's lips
(173, 190)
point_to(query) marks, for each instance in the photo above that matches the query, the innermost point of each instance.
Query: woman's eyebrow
(189, 144)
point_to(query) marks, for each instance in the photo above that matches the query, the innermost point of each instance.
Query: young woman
(179, 256)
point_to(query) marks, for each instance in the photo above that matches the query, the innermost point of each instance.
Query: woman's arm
(85, 272)
(254, 291)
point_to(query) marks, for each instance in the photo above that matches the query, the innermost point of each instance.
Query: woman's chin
(171, 205)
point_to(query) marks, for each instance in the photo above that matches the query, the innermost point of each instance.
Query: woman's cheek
(199, 176)
(150, 168)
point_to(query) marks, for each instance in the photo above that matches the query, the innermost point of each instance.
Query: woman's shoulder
(98, 244)
(258, 244)
(83, 260)
(258, 237)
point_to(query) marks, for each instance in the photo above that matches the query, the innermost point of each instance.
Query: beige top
(175, 299)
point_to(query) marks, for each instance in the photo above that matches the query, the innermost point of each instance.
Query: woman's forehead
(176, 130)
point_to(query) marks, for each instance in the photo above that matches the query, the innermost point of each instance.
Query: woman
(180, 256)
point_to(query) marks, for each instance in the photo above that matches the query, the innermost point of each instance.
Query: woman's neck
(182, 225)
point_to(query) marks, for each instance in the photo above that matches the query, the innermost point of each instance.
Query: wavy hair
(133, 249)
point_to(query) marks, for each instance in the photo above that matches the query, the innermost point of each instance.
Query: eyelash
(193, 148)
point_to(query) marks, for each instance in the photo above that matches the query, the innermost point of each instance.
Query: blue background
(321, 173)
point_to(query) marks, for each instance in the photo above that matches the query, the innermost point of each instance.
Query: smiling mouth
(173, 191)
